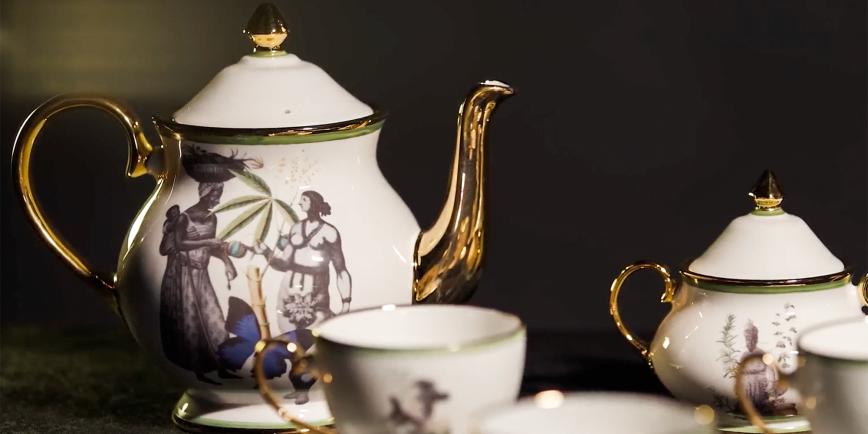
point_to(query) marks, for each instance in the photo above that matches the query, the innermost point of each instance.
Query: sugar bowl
(763, 280)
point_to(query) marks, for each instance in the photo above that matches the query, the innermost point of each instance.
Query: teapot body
(711, 329)
(265, 232)
(316, 220)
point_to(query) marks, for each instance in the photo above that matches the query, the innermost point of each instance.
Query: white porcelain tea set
(274, 268)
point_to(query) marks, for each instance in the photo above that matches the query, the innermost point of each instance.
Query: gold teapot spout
(448, 255)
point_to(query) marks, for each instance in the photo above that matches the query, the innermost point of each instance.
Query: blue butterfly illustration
(241, 322)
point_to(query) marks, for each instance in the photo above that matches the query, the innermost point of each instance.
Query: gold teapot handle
(744, 399)
(300, 361)
(667, 297)
(139, 150)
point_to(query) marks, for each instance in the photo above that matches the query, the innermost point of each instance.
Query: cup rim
(519, 330)
(823, 326)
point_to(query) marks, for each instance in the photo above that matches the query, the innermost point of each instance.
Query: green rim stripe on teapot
(275, 136)
(282, 140)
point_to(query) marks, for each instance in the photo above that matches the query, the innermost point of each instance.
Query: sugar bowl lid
(270, 88)
(768, 244)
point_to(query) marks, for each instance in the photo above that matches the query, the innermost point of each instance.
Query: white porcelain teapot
(270, 214)
(766, 278)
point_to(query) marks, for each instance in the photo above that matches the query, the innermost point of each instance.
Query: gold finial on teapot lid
(767, 193)
(266, 28)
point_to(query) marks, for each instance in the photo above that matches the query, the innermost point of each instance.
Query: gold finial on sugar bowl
(266, 28)
(767, 193)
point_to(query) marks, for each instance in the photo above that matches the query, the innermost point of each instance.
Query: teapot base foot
(195, 413)
(732, 423)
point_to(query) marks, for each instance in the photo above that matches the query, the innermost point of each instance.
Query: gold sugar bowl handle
(669, 286)
(139, 151)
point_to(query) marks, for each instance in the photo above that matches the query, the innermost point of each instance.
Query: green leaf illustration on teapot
(264, 223)
(288, 213)
(252, 180)
(242, 220)
(257, 206)
(238, 202)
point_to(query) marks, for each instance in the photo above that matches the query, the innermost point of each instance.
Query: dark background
(637, 130)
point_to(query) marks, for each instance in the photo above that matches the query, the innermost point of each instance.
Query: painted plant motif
(305, 254)
(785, 332)
(195, 333)
(729, 354)
(412, 414)
(298, 171)
(760, 380)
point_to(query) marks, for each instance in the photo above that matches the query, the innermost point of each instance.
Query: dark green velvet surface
(80, 381)
(86, 381)
(54, 380)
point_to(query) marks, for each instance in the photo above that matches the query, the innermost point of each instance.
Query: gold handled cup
(422, 368)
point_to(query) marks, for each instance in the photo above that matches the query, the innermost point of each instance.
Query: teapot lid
(767, 244)
(270, 88)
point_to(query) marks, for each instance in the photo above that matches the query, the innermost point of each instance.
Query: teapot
(270, 214)
(764, 279)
